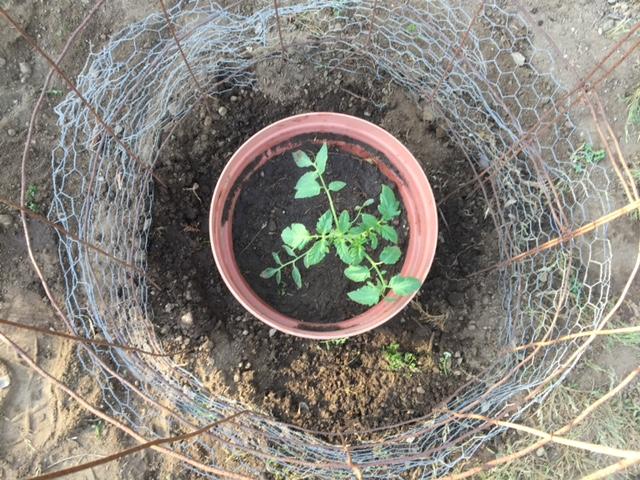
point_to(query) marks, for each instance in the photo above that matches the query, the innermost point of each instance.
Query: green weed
(400, 361)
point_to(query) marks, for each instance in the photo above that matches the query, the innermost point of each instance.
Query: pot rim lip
(319, 330)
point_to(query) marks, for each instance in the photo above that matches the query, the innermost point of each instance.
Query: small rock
(11, 132)
(222, 111)
(234, 98)
(6, 220)
(245, 332)
(5, 381)
(187, 319)
(164, 330)
(271, 226)
(420, 391)
(236, 377)
(518, 58)
(25, 69)
(303, 407)
(169, 307)
(427, 114)
(272, 332)
(118, 129)
(457, 355)
(208, 121)
(3, 62)
(367, 113)
(540, 452)
(485, 300)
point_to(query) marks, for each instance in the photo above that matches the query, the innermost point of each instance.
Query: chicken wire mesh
(477, 67)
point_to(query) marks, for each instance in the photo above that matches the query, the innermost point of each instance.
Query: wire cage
(481, 67)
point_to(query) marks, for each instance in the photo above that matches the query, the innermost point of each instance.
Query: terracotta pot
(358, 137)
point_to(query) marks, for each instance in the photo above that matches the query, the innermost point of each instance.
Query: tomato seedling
(354, 239)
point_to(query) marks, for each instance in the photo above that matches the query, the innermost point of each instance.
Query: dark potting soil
(451, 326)
(267, 205)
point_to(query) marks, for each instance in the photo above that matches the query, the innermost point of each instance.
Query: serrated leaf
(343, 252)
(390, 255)
(276, 257)
(357, 230)
(269, 272)
(369, 221)
(357, 273)
(343, 221)
(321, 158)
(373, 241)
(297, 278)
(389, 233)
(289, 250)
(307, 186)
(366, 295)
(302, 159)
(325, 223)
(389, 206)
(316, 253)
(336, 186)
(295, 235)
(356, 253)
(404, 285)
(367, 202)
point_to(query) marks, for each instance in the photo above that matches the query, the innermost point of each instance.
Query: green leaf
(321, 158)
(369, 221)
(357, 254)
(389, 233)
(344, 221)
(343, 252)
(289, 250)
(307, 186)
(279, 276)
(316, 253)
(295, 235)
(325, 222)
(336, 186)
(404, 285)
(357, 230)
(366, 295)
(390, 255)
(367, 202)
(297, 278)
(302, 159)
(269, 272)
(389, 205)
(357, 273)
(276, 257)
(373, 241)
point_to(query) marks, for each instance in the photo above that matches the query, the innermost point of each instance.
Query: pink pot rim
(405, 172)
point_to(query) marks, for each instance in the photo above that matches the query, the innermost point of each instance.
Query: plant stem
(326, 190)
(375, 267)
(302, 254)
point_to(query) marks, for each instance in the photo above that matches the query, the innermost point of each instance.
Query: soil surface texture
(450, 327)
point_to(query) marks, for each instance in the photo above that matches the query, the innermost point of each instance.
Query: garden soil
(451, 327)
